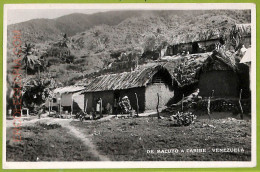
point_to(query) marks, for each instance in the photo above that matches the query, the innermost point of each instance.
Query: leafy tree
(36, 91)
(149, 42)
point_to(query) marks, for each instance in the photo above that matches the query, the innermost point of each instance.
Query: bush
(69, 59)
(183, 118)
(80, 61)
(73, 67)
(54, 60)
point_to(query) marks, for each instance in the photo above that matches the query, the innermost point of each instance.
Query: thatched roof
(184, 68)
(195, 37)
(210, 34)
(126, 80)
(220, 60)
(68, 89)
(243, 29)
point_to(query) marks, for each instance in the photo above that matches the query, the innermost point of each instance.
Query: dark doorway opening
(195, 47)
(116, 94)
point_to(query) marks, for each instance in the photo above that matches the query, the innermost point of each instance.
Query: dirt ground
(146, 139)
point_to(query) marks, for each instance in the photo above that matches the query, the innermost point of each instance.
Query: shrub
(69, 59)
(54, 60)
(73, 67)
(183, 118)
(80, 61)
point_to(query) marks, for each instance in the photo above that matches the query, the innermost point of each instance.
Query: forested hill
(164, 25)
(38, 30)
(93, 40)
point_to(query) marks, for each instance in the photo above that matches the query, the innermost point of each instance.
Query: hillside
(172, 28)
(41, 30)
(95, 41)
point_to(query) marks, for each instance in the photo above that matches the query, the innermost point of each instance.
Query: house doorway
(117, 98)
(195, 47)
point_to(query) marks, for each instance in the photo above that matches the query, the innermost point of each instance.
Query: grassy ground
(41, 142)
(129, 139)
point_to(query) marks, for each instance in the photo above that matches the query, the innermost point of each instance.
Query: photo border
(138, 1)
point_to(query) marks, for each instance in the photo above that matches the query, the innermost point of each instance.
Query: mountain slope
(93, 40)
(163, 25)
(40, 30)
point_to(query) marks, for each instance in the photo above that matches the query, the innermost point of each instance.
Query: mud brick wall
(225, 105)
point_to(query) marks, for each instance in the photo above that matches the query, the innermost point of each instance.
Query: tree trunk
(158, 114)
(26, 68)
(137, 105)
(240, 105)
(182, 102)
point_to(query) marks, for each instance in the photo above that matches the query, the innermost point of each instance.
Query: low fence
(224, 105)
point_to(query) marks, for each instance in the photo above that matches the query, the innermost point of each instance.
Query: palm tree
(31, 61)
(27, 50)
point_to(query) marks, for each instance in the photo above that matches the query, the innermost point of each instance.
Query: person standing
(99, 107)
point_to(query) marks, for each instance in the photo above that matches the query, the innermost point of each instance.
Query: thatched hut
(145, 82)
(184, 70)
(218, 73)
(194, 42)
(205, 41)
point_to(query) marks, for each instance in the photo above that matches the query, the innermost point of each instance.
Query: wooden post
(208, 108)
(71, 105)
(49, 103)
(60, 107)
(137, 62)
(137, 105)
(182, 102)
(209, 100)
(240, 105)
(158, 114)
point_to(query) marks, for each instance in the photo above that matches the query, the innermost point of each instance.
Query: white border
(136, 164)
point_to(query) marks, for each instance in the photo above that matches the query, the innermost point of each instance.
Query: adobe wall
(224, 84)
(66, 99)
(151, 98)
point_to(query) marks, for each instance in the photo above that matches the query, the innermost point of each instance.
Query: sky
(21, 15)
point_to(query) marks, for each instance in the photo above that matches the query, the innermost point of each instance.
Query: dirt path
(86, 141)
(65, 123)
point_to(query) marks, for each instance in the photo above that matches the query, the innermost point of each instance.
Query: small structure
(194, 43)
(25, 112)
(205, 41)
(200, 46)
(66, 98)
(218, 73)
(145, 83)
(246, 59)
